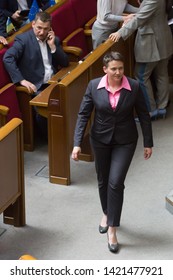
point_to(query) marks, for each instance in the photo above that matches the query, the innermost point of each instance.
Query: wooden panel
(12, 198)
(64, 102)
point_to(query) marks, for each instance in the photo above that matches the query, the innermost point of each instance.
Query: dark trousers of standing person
(112, 163)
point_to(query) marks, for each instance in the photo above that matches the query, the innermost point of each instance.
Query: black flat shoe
(113, 247)
(103, 229)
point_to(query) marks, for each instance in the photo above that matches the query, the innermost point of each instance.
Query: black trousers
(112, 163)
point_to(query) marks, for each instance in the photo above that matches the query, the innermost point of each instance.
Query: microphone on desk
(82, 60)
(60, 79)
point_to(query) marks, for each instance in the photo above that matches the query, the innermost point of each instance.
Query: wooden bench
(12, 193)
(3, 114)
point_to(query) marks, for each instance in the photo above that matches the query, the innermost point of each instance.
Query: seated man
(35, 55)
(12, 9)
(3, 33)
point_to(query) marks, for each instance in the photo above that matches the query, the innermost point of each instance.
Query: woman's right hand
(75, 153)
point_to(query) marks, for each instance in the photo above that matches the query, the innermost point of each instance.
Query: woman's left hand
(147, 153)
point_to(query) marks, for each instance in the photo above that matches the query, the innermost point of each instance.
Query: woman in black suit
(113, 136)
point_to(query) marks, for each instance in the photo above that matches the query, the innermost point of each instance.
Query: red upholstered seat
(77, 39)
(8, 98)
(4, 77)
(65, 25)
(8, 91)
(64, 21)
(84, 10)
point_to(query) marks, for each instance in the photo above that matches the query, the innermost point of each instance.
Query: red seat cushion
(8, 98)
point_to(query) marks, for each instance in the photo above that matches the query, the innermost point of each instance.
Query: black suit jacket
(9, 7)
(118, 124)
(24, 60)
(3, 24)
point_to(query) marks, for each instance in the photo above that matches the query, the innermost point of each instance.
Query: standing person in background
(109, 15)
(153, 48)
(113, 136)
(12, 9)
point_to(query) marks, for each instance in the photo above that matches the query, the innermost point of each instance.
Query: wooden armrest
(88, 32)
(73, 50)
(53, 8)
(70, 36)
(6, 87)
(90, 23)
(4, 110)
(23, 89)
(9, 127)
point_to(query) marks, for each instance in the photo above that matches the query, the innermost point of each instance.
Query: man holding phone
(35, 55)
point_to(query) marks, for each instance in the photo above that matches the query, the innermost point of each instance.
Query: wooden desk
(63, 73)
(42, 99)
(60, 103)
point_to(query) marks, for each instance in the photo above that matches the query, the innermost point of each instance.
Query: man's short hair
(44, 17)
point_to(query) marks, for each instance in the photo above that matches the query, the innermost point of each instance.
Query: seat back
(8, 98)
(64, 21)
(77, 39)
(65, 26)
(84, 10)
(5, 78)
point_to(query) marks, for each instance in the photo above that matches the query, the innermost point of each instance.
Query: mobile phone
(48, 35)
(24, 13)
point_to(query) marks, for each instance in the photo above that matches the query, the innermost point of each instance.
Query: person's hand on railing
(31, 87)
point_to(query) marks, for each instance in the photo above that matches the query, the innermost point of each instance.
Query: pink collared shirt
(114, 96)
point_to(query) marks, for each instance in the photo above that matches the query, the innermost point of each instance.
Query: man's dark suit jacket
(24, 60)
(3, 24)
(118, 124)
(9, 7)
